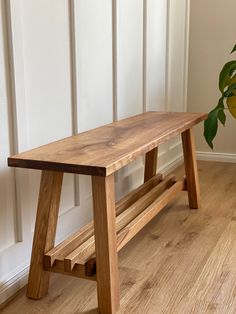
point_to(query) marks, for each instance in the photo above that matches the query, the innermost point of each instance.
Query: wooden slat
(134, 195)
(148, 214)
(123, 141)
(135, 209)
(80, 255)
(68, 245)
(87, 249)
(75, 240)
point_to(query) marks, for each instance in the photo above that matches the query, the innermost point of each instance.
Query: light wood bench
(91, 253)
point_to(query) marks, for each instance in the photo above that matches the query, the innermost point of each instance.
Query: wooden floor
(184, 261)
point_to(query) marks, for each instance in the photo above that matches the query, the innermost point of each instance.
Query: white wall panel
(156, 54)
(45, 37)
(7, 189)
(47, 69)
(129, 57)
(93, 24)
(178, 20)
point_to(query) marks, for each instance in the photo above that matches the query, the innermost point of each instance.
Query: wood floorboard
(181, 262)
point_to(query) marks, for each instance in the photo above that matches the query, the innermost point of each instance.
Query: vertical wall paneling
(114, 58)
(93, 20)
(74, 103)
(8, 221)
(156, 54)
(47, 70)
(177, 64)
(186, 54)
(129, 57)
(114, 66)
(47, 81)
(144, 55)
(17, 74)
(156, 51)
(15, 247)
(178, 20)
(74, 118)
(17, 106)
(167, 90)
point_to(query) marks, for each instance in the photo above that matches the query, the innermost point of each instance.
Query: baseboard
(212, 156)
(10, 288)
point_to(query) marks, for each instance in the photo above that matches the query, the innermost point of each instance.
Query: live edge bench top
(104, 150)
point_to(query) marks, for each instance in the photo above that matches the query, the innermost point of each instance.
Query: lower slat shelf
(148, 214)
(87, 250)
(76, 255)
(78, 238)
(78, 270)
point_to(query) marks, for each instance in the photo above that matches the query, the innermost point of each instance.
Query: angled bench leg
(44, 233)
(150, 164)
(105, 243)
(191, 169)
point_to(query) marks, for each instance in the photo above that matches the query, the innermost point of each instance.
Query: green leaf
(221, 114)
(230, 91)
(234, 49)
(225, 74)
(211, 126)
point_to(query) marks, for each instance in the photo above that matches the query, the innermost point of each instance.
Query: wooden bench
(91, 253)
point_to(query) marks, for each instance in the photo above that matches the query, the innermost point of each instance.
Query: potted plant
(227, 101)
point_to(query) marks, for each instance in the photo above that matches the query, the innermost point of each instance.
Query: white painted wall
(212, 37)
(69, 66)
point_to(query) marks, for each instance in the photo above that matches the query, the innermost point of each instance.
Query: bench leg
(44, 233)
(191, 169)
(105, 243)
(150, 164)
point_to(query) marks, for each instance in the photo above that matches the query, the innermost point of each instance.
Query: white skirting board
(19, 278)
(12, 285)
(213, 156)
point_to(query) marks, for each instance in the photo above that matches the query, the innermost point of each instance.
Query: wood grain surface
(104, 212)
(104, 150)
(45, 231)
(150, 167)
(191, 169)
